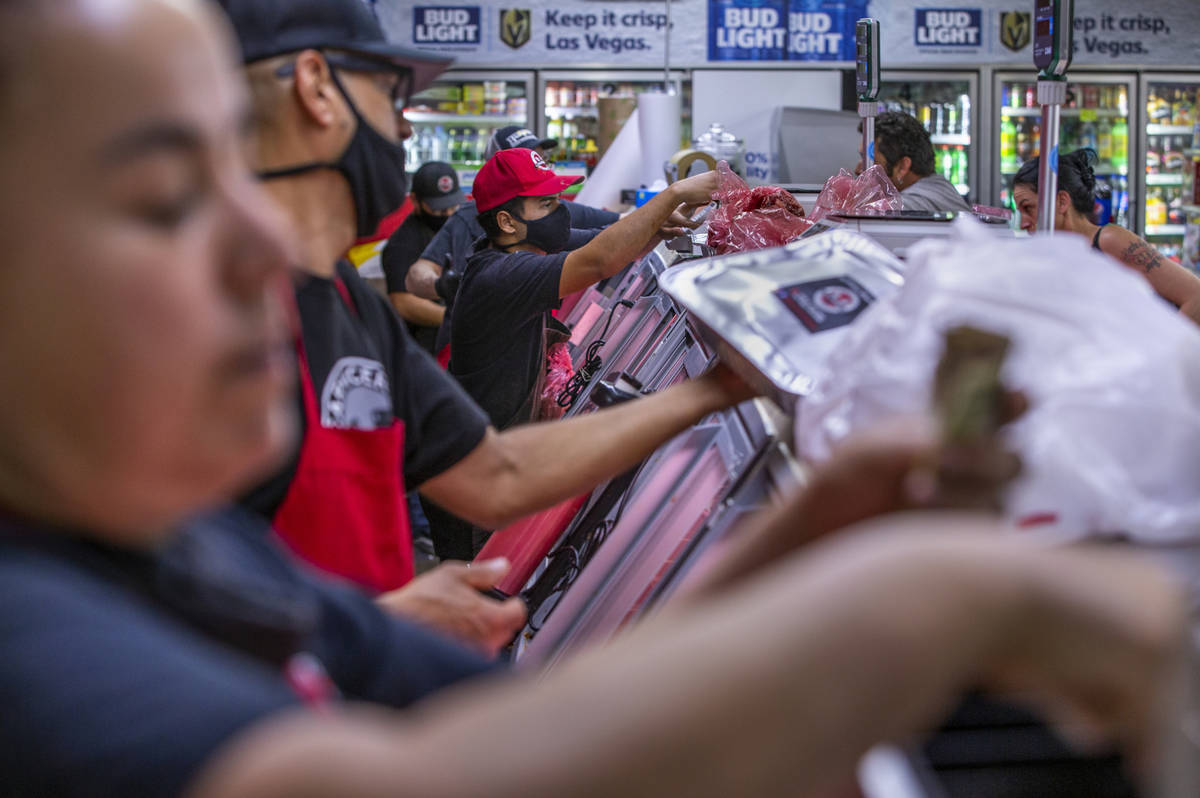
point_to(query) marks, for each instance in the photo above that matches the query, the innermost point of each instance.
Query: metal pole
(1051, 95)
(868, 110)
(667, 55)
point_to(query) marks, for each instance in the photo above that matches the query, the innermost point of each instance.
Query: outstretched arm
(1172, 282)
(777, 687)
(522, 470)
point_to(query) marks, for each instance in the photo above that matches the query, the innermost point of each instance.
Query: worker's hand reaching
(696, 190)
(447, 599)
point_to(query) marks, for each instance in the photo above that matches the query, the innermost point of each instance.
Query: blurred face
(144, 334)
(879, 159)
(1026, 200)
(444, 213)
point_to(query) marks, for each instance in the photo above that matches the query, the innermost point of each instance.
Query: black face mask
(371, 164)
(432, 221)
(549, 233)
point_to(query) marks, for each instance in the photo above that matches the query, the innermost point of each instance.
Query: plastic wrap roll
(620, 168)
(659, 131)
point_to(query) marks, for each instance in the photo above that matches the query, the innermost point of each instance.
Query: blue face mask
(549, 233)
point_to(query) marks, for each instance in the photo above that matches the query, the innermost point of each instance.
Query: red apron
(345, 509)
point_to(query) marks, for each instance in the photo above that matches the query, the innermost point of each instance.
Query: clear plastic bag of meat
(870, 191)
(752, 218)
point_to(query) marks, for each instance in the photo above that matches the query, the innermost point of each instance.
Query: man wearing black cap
(435, 275)
(436, 196)
(378, 412)
(506, 138)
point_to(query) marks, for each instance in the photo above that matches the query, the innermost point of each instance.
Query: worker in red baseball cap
(501, 328)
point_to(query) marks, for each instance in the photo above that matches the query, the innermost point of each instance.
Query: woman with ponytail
(1073, 214)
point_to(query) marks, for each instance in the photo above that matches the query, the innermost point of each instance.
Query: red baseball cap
(516, 173)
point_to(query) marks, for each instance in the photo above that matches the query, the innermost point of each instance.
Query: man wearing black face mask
(379, 415)
(502, 333)
(435, 196)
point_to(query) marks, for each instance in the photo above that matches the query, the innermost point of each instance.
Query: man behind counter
(435, 275)
(903, 149)
(501, 325)
(435, 197)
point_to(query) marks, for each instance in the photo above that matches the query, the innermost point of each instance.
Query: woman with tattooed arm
(1072, 213)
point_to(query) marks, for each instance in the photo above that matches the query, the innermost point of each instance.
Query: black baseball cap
(436, 184)
(267, 28)
(507, 138)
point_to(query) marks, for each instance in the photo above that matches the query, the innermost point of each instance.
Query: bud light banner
(823, 30)
(783, 30)
(747, 30)
(446, 25)
(948, 27)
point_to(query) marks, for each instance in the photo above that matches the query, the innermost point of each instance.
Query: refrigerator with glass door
(947, 105)
(1099, 113)
(454, 118)
(1168, 121)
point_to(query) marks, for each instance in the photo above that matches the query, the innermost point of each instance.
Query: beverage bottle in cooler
(581, 95)
(1024, 145)
(951, 118)
(946, 161)
(1153, 156)
(551, 98)
(1120, 145)
(1031, 95)
(964, 117)
(1091, 95)
(438, 152)
(1156, 208)
(1008, 145)
(1104, 139)
(1172, 157)
(960, 164)
(481, 141)
(1035, 135)
(425, 146)
(566, 94)
(939, 119)
(927, 117)
(554, 128)
(1088, 137)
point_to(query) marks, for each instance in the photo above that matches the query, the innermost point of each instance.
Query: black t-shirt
(402, 250)
(496, 333)
(367, 371)
(454, 243)
(123, 672)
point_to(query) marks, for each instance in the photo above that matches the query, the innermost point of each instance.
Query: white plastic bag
(1111, 444)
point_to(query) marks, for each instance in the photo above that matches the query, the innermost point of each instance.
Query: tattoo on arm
(1142, 255)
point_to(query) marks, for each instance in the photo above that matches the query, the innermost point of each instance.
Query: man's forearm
(416, 310)
(421, 278)
(554, 461)
(777, 689)
(621, 242)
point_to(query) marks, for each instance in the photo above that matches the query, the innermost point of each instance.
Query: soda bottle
(1008, 145)
(1120, 145)
(960, 164)
(1104, 138)
(1031, 96)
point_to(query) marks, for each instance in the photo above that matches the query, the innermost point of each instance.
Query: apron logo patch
(356, 395)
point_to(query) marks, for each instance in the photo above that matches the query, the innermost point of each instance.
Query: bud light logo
(823, 30)
(747, 30)
(446, 25)
(948, 27)
(782, 30)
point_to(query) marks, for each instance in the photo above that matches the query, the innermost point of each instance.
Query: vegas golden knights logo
(1015, 27)
(515, 26)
